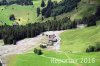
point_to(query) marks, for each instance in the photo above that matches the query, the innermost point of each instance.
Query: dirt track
(21, 46)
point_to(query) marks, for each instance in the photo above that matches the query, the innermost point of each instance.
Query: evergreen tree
(98, 13)
(50, 4)
(4, 2)
(0, 63)
(43, 3)
(48, 13)
(38, 12)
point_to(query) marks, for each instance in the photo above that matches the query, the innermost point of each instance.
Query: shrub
(97, 47)
(12, 17)
(43, 46)
(8, 40)
(38, 51)
(90, 49)
(35, 50)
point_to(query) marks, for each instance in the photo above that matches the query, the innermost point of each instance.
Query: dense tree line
(64, 7)
(46, 12)
(90, 20)
(20, 2)
(97, 14)
(54, 8)
(12, 34)
(24, 2)
(4, 2)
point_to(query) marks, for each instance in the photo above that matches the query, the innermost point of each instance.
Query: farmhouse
(51, 38)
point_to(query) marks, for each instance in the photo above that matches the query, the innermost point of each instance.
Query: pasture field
(77, 40)
(23, 14)
(28, 14)
(31, 59)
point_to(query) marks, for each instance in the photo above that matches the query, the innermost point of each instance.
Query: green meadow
(80, 39)
(26, 14)
(31, 59)
(23, 14)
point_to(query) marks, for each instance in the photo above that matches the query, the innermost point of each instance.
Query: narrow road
(21, 46)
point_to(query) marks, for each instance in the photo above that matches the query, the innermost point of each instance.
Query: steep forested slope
(84, 8)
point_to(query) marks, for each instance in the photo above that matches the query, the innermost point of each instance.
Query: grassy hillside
(84, 9)
(77, 40)
(31, 59)
(26, 14)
